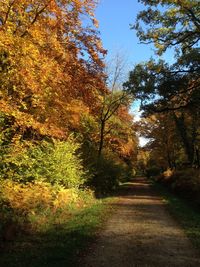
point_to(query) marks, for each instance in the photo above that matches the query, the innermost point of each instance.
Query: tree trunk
(197, 158)
(169, 159)
(101, 138)
(188, 145)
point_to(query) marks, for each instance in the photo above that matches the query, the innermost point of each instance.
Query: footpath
(141, 233)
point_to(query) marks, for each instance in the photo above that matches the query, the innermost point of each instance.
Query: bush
(184, 182)
(22, 200)
(153, 171)
(40, 183)
(108, 173)
(55, 162)
(38, 205)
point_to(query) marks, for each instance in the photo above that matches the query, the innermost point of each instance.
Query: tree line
(169, 93)
(64, 120)
(54, 85)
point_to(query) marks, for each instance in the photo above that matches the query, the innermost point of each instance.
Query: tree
(111, 104)
(171, 89)
(113, 99)
(165, 146)
(48, 58)
(168, 23)
(163, 88)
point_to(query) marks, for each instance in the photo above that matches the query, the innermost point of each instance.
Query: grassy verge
(187, 214)
(61, 244)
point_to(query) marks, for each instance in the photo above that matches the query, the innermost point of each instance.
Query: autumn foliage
(52, 92)
(48, 59)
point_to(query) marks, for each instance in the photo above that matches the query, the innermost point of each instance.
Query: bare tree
(115, 98)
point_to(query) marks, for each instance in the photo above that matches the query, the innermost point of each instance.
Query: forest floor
(141, 233)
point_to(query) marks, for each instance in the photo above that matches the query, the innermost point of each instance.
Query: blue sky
(115, 17)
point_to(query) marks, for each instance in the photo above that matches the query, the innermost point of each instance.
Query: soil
(141, 233)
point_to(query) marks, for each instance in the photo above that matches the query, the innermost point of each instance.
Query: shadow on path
(141, 233)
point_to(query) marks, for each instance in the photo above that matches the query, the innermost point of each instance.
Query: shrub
(38, 205)
(167, 176)
(57, 163)
(108, 173)
(24, 199)
(153, 171)
(185, 182)
(64, 197)
(133, 172)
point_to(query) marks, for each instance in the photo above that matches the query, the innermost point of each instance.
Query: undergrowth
(59, 244)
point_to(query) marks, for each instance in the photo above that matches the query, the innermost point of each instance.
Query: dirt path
(141, 233)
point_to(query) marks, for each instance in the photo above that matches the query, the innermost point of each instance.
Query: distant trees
(110, 106)
(170, 91)
(114, 107)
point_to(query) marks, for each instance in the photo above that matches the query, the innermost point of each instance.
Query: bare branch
(8, 12)
(38, 13)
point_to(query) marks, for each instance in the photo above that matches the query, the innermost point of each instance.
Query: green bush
(56, 162)
(108, 173)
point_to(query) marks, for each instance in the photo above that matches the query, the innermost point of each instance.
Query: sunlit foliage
(53, 92)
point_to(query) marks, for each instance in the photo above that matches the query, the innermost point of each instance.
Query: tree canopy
(162, 87)
(167, 23)
(170, 91)
(49, 58)
(54, 85)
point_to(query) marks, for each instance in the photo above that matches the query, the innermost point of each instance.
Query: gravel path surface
(141, 233)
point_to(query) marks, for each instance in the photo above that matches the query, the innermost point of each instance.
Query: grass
(185, 212)
(62, 244)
